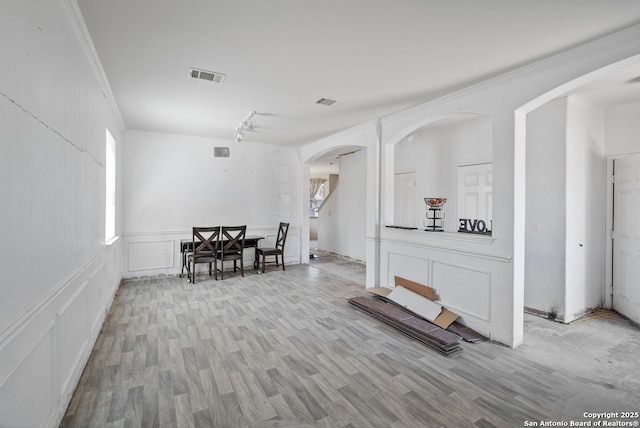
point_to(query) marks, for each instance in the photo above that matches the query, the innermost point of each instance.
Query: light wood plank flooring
(285, 349)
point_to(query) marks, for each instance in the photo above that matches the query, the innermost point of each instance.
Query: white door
(626, 237)
(404, 206)
(475, 191)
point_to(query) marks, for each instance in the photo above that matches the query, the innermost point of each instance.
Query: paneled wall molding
(60, 328)
(475, 287)
(15, 327)
(453, 250)
(253, 230)
(164, 257)
(9, 367)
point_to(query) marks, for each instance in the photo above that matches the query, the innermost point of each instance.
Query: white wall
(622, 129)
(546, 209)
(174, 182)
(565, 240)
(341, 225)
(58, 276)
(585, 189)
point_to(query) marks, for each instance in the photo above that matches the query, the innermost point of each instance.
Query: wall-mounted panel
(409, 267)
(71, 335)
(150, 255)
(27, 397)
(463, 290)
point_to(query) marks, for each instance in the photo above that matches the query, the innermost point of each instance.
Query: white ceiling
(375, 57)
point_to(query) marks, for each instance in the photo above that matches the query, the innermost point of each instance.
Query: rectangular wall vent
(221, 152)
(326, 101)
(211, 76)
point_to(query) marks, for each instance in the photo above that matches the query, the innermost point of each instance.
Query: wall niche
(427, 163)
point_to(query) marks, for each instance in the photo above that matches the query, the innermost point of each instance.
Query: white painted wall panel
(150, 255)
(54, 108)
(622, 128)
(586, 196)
(462, 274)
(546, 209)
(28, 396)
(463, 290)
(409, 267)
(72, 335)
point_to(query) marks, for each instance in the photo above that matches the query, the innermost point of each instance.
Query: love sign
(468, 225)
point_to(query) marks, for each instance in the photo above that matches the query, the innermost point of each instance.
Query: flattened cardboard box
(443, 320)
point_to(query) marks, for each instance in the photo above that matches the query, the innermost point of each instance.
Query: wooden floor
(285, 349)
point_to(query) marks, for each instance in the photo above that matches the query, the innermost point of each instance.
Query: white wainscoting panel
(462, 289)
(71, 334)
(43, 352)
(151, 255)
(158, 253)
(31, 385)
(409, 267)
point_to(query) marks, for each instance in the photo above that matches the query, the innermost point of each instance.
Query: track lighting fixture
(247, 123)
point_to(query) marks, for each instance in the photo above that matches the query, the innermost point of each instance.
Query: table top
(246, 238)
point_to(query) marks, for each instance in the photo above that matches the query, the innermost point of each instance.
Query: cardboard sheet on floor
(422, 292)
(416, 303)
(446, 316)
(443, 320)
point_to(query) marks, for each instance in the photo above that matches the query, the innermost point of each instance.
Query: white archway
(520, 172)
(365, 136)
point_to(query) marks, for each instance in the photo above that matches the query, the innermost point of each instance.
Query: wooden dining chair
(276, 251)
(231, 247)
(204, 244)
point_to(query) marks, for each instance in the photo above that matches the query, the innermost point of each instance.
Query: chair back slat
(205, 239)
(234, 237)
(283, 229)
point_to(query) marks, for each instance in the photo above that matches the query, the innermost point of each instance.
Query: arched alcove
(427, 159)
(362, 142)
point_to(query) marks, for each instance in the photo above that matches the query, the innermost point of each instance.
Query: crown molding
(80, 30)
(609, 46)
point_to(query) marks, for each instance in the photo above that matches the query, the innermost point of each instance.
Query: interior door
(475, 192)
(404, 206)
(626, 237)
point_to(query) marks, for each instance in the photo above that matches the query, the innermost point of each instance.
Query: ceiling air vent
(326, 101)
(211, 76)
(221, 152)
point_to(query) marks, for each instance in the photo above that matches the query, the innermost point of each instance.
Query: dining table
(186, 247)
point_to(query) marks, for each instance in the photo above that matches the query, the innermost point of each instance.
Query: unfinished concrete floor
(600, 352)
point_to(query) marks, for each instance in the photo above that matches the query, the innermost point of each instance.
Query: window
(110, 205)
(317, 195)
